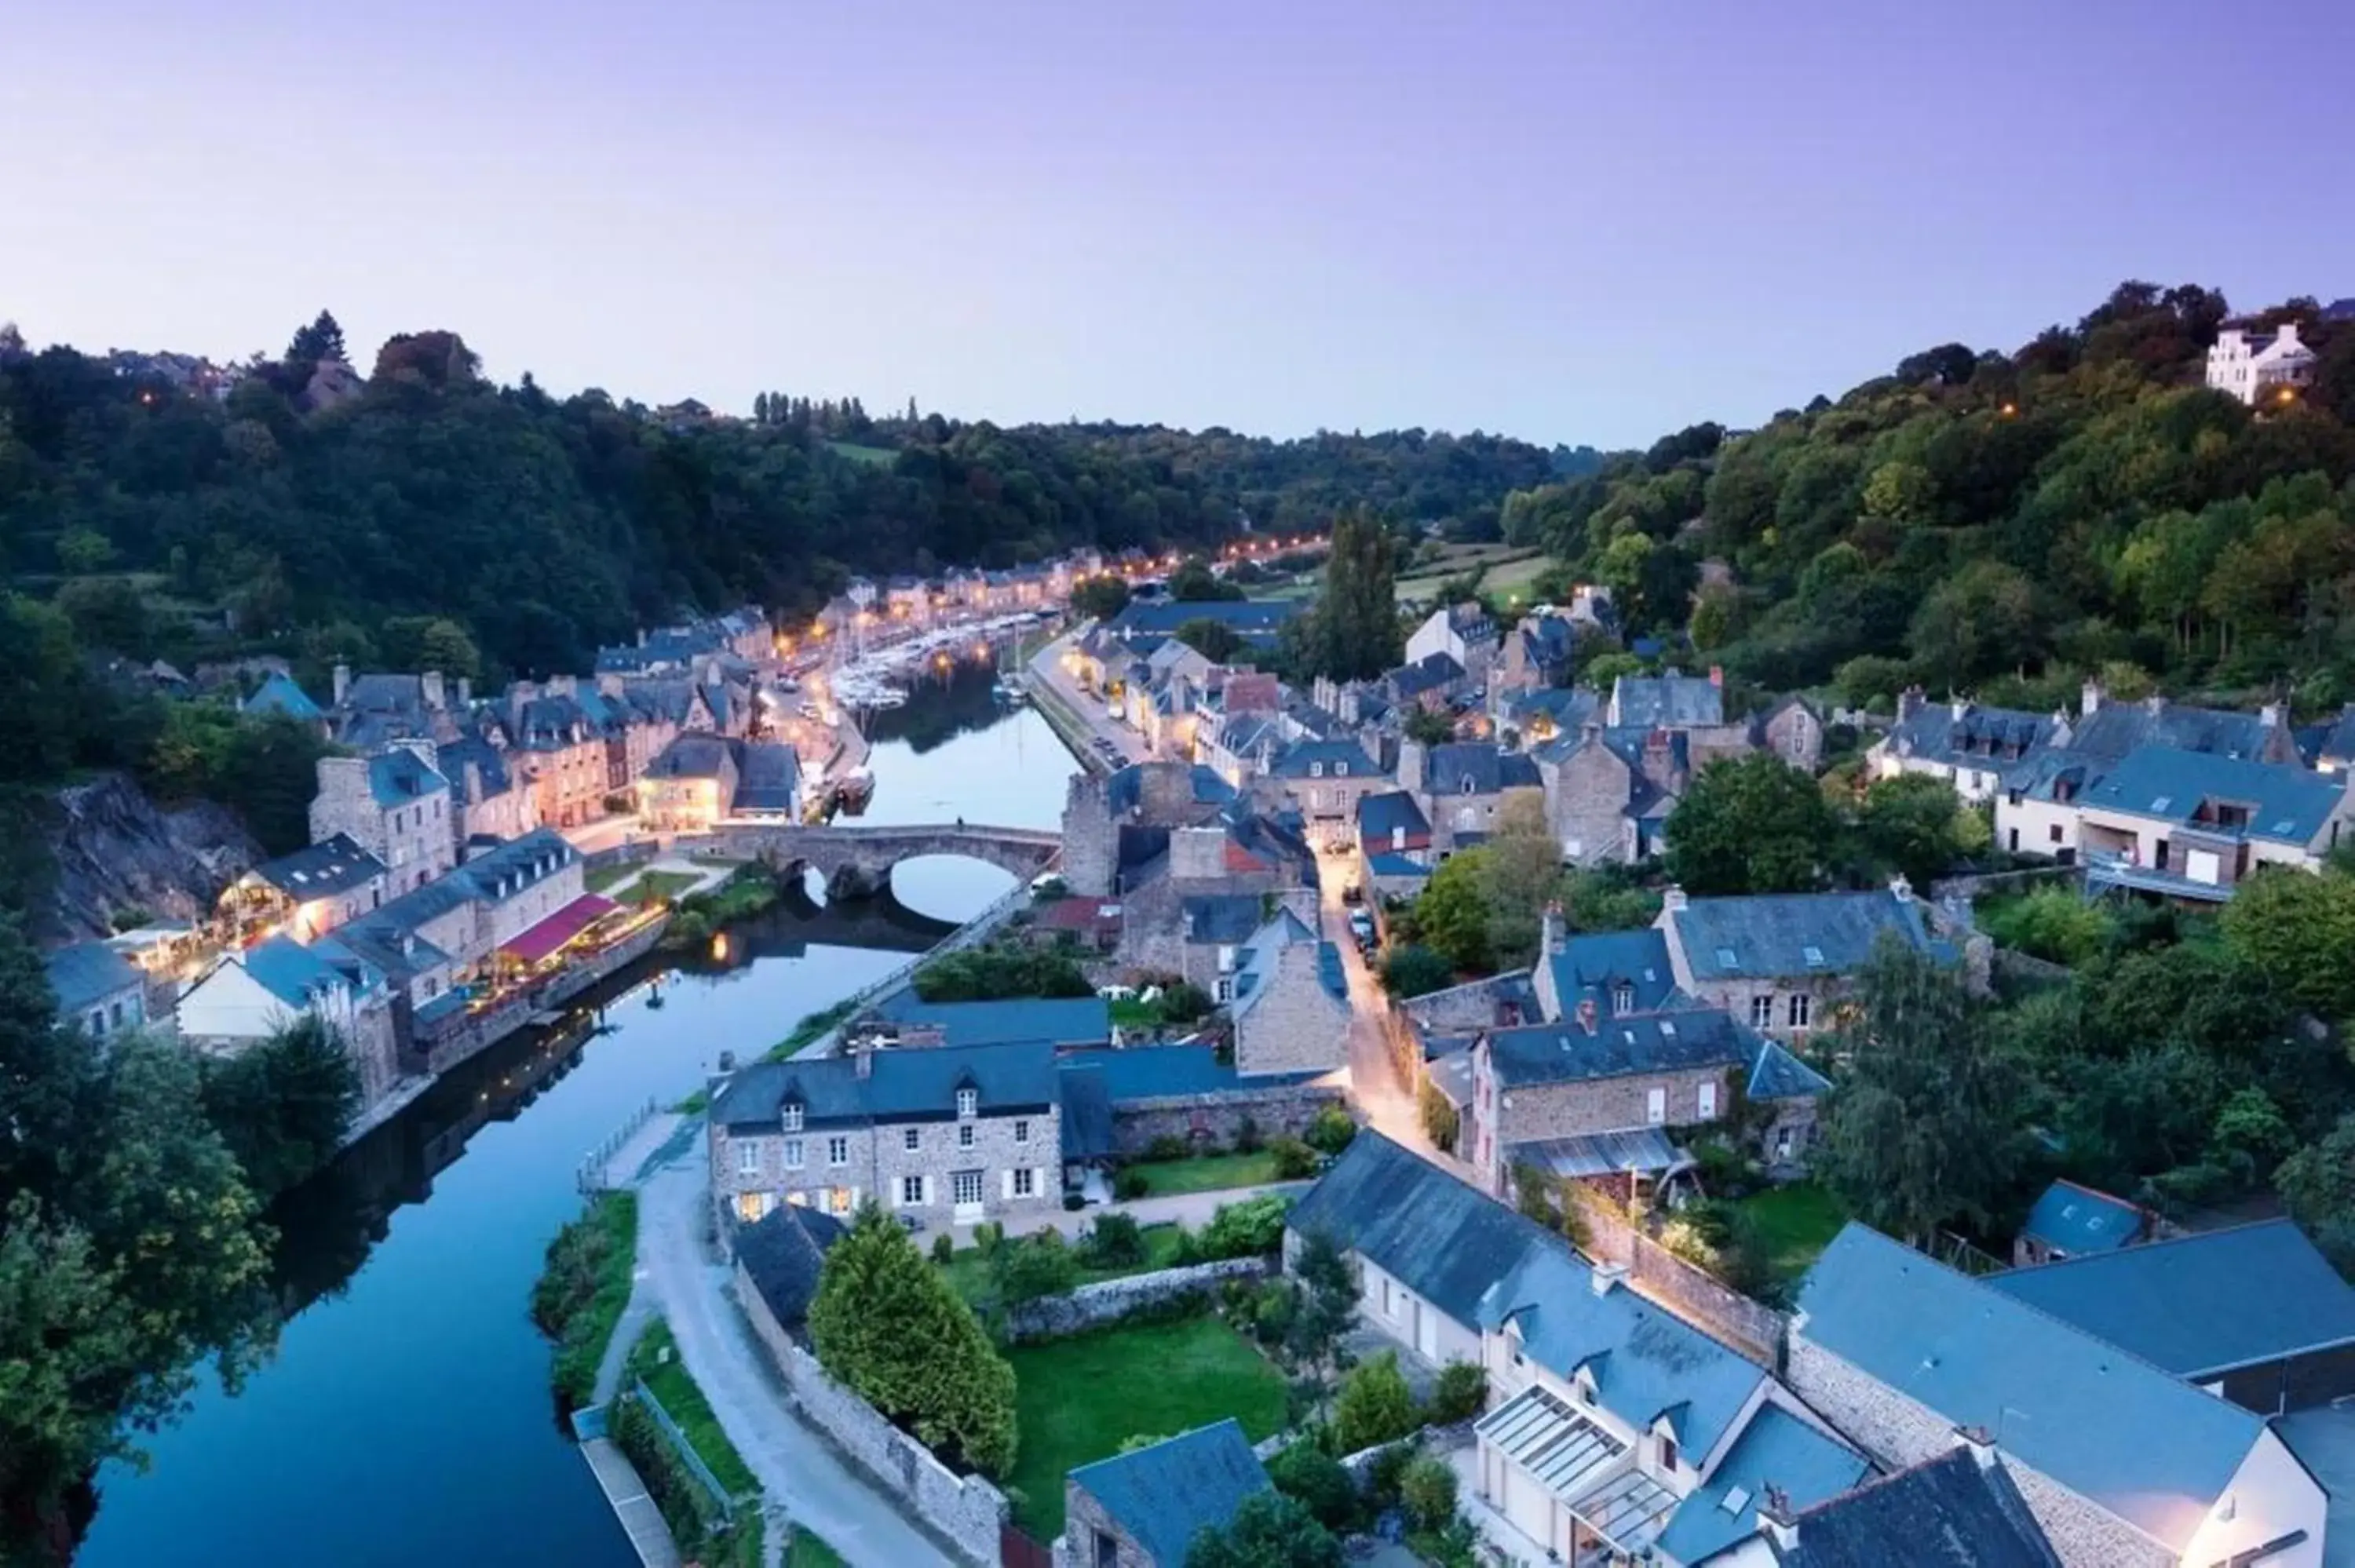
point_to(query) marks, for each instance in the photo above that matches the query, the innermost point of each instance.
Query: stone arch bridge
(856, 860)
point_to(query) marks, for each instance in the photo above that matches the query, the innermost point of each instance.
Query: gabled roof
(693, 756)
(1983, 737)
(1776, 1449)
(1163, 1493)
(278, 694)
(917, 1084)
(1226, 918)
(1648, 1043)
(298, 975)
(2079, 1221)
(768, 776)
(1429, 673)
(2110, 1426)
(1125, 789)
(2115, 729)
(1671, 700)
(2285, 805)
(1323, 758)
(1595, 965)
(1796, 935)
(1380, 816)
(331, 866)
(1056, 1021)
(2199, 1306)
(1087, 1120)
(1947, 1512)
(87, 973)
(782, 1254)
(1477, 768)
(1255, 966)
(399, 776)
(1568, 706)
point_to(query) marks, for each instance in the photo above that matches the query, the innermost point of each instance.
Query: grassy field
(598, 878)
(806, 1550)
(1508, 571)
(1797, 1223)
(1207, 1173)
(1078, 1400)
(968, 1272)
(881, 457)
(670, 1384)
(662, 884)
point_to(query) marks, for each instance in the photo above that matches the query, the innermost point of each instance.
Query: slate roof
(2324, 1442)
(296, 974)
(2115, 729)
(1568, 706)
(1564, 1053)
(768, 776)
(2079, 1221)
(1594, 966)
(1163, 1493)
(1669, 701)
(692, 756)
(1087, 1119)
(1776, 1449)
(399, 776)
(1323, 758)
(2144, 1445)
(490, 764)
(1945, 1512)
(1477, 768)
(1058, 1020)
(1125, 789)
(1395, 865)
(87, 973)
(1983, 738)
(2287, 805)
(1155, 1072)
(782, 1252)
(1225, 918)
(1771, 936)
(331, 866)
(2200, 1305)
(1380, 816)
(1431, 673)
(918, 1084)
(278, 694)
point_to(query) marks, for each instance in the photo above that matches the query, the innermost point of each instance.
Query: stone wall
(1084, 1520)
(1899, 1432)
(1295, 1025)
(1690, 1291)
(1217, 1117)
(1110, 1300)
(965, 1510)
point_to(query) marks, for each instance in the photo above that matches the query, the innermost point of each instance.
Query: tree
(1194, 583)
(1414, 969)
(1352, 632)
(1923, 1129)
(282, 1105)
(892, 1328)
(2298, 931)
(1750, 824)
(1375, 1406)
(323, 339)
(1451, 913)
(1909, 824)
(1427, 1491)
(1317, 1481)
(1327, 1308)
(1269, 1529)
(1520, 873)
(1100, 598)
(2318, 1183)
(1213, 640)
(1429, 726)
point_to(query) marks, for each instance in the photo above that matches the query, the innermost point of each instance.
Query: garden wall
(1217, 1117)
(1689, 1290)
(1110, 1300)
(965, 1510)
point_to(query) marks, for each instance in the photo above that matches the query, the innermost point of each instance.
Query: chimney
(343, 682)
(563, 686)
(1672, 900)
(1550, 934)
(465, 691)
(863, 1055)
(1908, 702)
(2090, 696)
(1717, 675)
(1586, 1014)
(642, 637)
(1901, 889)
(1958, 707)
(2270, 715)
(430, 685)
(1980, 1442)
(2285, 336)
(1777, 1521)
(2156, 704)
(608, 684)
(1604, 1276)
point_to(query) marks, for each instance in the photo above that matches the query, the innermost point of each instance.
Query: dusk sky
(1566, 221)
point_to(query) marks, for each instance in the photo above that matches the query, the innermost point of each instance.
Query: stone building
(395, 805)
(1289, 1000)
(253, 994)
(1609, 792)
(305, 894)
(952, 1135)
(1141, 1508)
(1463, 786)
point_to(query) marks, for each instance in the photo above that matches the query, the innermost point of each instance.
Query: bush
(1184, 1002)
(1188, 1251)
(1129, 1185)
(581, 1294)
(1293, 1159)
(2052, 922)
(1169, 1146)
(1384, 1472)
(1318, 1482)
(987, 1235)
(1331, 1131)
(942, 1248)
(1247, 1136)
(1041, 1264)
(1248, 1229)
(1440, 1121)
(995, 972)
(1116, 1241)
(1462, 1390)
(1073, 1203)
(1274, 1305)
(1375, 1406)
(1427, 1491)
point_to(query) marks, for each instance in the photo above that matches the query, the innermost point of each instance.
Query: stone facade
(1496, 1119)
(1087, 1528)
(750, 1174)
(1218, 1118)
(1110, 1300)
(1898, 1432)
(965, 1510)
(1587, 792)
(1793, 733)
(414, 839)
(1294, 1025)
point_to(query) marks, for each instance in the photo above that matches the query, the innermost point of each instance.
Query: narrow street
(800, 1473)
(1374, 1085)
(1046, 669)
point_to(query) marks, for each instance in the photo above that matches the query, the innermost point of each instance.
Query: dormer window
(1471, 786)
(968, 1102)
(1623, 1000)
(792, 1116)
(1340, 770)
(1667, 1449)
(1317, 770)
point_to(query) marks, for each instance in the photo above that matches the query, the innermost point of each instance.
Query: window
(753, 1206)
(1623, 1000)
(965, 1187)
(2054, 832)
(1107, 1550)
(794, 1159)
(912, 1138)
(1762, 1012)
(965, 1135)
(748, 1159)
(1708, 1102)
(912, 1191)
(1025, 1182)
(792, 1115)
(1471, 786)
(1021, 1132)
(1225, 991)
(1668, 1454)
(838, 1152)
(1656, 1105)
(968, 1101)
(1317, 770)
(1801, 1006)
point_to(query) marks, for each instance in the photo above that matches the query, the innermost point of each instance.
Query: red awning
(559, 929)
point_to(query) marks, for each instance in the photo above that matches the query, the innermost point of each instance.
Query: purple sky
(1577, 220)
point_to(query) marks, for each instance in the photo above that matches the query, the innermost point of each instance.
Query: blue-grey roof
(297, 975)
(1776, 1075)
(1254, 620)
(1154, 1072)
(451, 759)
(1477, 768)
(1648, 1364)
(2144, 1445)
(1380, 816)
(2079, 1221)
(1669, 701)
(88, 973)
(1059, 1020)
(1087, 1120)
(1163, 1493)
(1227, 918)
(2324, 1441)
(1643, 1148)
(918, 1084)
(1947, 1512)
(1395, 865)
(1796, 935)
(782, 1254)
(1595, 965)
(2285, 805)
(397, 776)
(1428, 674)
(1568, 707)
(2201, 1304)
(1443, 1240)
(278, 694)
(1776, 1449)
(768, 776)
(1323, 758)
(1994, 739)
(1125, 788)
(1255, 965)
(2114, 729)
(1567, 1052)
(317, 871)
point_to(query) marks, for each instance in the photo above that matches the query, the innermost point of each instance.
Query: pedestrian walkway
(625, 1164)
(640, 1517)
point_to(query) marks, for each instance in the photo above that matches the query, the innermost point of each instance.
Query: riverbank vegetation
(723, 1536)
(806, 1034)
(751, 889)
(584, 1289)
(997, 971)
(284, 1105)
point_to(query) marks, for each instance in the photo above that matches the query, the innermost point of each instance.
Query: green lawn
(881, 457)
(1206, 1173)
(662, 884)
(806, 1550)
(1078, 1400)
(598, 878)
(1797, 1223)
(671, 1384)
(970, 1274)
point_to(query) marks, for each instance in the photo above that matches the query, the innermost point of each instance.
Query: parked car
(1361, 926)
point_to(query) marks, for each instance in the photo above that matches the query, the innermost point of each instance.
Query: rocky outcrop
(117, 852)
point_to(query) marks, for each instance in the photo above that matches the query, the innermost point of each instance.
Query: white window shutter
(1006, 1179)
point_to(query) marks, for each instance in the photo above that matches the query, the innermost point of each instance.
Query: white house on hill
(2250, 364)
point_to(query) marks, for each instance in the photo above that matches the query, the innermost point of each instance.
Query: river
(406, 1420)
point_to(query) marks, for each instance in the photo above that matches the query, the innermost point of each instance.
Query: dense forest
(2005, 523)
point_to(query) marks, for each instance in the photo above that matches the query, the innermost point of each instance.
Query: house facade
(253, 995)
(1781, 964)
(2258, 366)
(1143, 1508)
(305, 894)
(96, 990)
(396, 805)
(1288, 1000)
(1463, 786)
